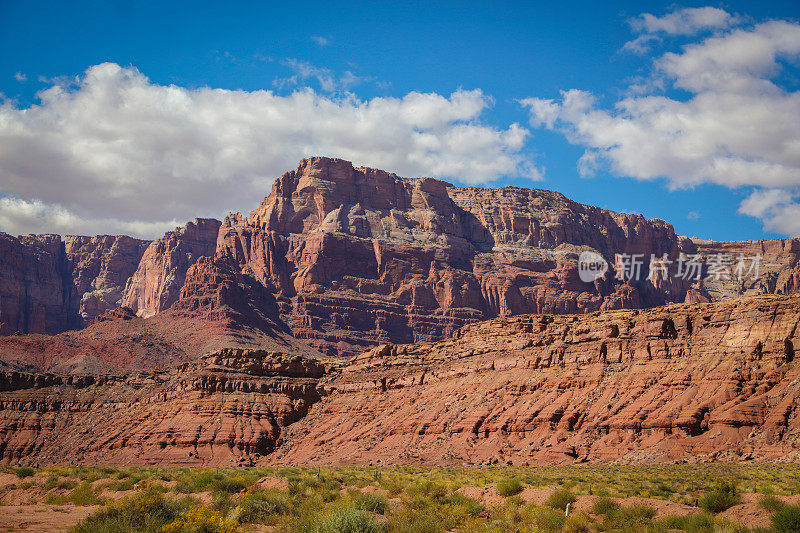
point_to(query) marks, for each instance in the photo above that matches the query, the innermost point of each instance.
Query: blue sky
(509, 51)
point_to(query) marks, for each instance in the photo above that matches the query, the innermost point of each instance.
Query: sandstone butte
(352, 258)
(290, 302)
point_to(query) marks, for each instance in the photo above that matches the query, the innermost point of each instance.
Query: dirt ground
(42, 518)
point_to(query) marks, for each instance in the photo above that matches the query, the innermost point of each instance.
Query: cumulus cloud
(737, 128)
(113, 152)
(19, 217)
(686, 21)
(20, 77)
(319, 40)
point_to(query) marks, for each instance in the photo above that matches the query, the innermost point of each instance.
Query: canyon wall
(356, 257)
(49, 284)
(686, 382)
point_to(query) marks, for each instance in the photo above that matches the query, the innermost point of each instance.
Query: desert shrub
(428, 489)
(373, 503)
(548, 520)
(347, 520)
(605, 506)
(83, 494)
(786, 519)
(227, 485)
(411, 521)
(692, 523)
(147, 512)
(51, 483)
(24, 471)
(203, 519)
(467, 506)
(635, 515)
(577, 523)
(509, 487)
(126, 484)
(258, 506)
(560, 499)
(771, 503)
(724, 496)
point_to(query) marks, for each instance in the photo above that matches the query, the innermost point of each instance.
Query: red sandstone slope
(701, 382)
(218, 308)
(693, 382)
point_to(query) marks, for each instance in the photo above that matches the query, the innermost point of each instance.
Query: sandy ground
(42, 518)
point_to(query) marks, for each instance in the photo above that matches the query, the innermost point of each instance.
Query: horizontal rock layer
(687, 382)
(684, 382)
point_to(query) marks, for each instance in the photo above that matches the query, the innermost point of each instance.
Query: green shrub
(227, 485)
(373, 503)
(577, 523)
(634, 515)
(509, 487)
(258, 506)
(348, 520)
(560, 499)
(411, 521)
(24, 471)
(605, 506)
(771, 503)
(548, 520)
(468, 505)
(83, 494)
(147, 512)
(692, 523)
(786, 519)
(724, 496)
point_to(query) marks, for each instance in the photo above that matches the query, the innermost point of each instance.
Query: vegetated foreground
(697, 498)
(681, 383)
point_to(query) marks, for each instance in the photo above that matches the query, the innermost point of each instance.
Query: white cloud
(116, 150)
(738, 128)
(776, 208)
(303, 71)
(686, 21)
(320, 40)
(20, 77)
(20, 217)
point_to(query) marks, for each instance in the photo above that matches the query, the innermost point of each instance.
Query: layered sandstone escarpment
(49, 284)
(356, 257)
(100, 267)
(778, 267)
(157, 282)
(686, 382)
(683, 382)
(219, 307)
(228, 407)
(359, 256)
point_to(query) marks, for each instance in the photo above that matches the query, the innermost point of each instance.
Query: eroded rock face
(100, 267)
(687, 382)
(359, 256)
(49, 285)
(229, 407)
(156, 284)
(778, 267)
(219, 307)
(684, 382)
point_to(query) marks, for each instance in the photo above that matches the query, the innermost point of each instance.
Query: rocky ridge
(685, 382)
(356, 257)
